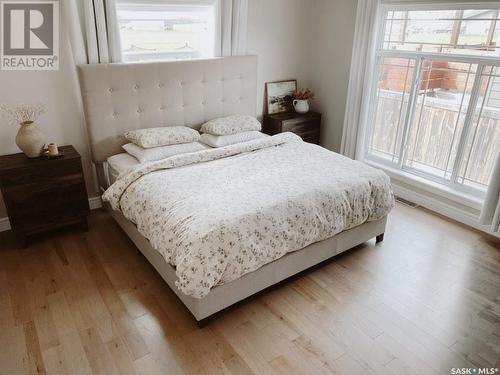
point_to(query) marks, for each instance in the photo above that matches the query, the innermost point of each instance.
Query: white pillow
(226, 140)
(168, 135)
(231, 125)
(157, 153)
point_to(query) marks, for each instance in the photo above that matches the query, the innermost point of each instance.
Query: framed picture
(279, 96)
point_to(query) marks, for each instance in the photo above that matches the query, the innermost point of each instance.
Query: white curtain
(93, 31)
(233, 18)
(362, 69)
(95, 38)
(490, 214)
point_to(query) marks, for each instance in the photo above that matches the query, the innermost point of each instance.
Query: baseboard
(4, 224)
(441, 208)
(94, 203)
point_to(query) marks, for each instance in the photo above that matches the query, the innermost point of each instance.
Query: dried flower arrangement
(22, 114)
(303, 94)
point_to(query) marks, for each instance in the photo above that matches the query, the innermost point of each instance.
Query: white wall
(310, 40)
(331, 37)
(278, 32)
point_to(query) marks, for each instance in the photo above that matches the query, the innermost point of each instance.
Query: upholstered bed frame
(121, 97)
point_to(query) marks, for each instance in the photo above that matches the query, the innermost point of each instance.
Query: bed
(220, 225)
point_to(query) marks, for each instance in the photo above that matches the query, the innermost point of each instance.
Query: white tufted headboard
(121, 97)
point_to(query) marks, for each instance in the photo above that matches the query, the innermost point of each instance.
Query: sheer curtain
(95, 37)
(233, 15)
(362, 68)
(490, 213)
(93, 31)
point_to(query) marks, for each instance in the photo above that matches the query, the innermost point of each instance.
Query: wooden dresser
(307, 125)
(41, 194)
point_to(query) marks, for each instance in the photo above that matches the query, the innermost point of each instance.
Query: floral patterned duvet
(218, 214)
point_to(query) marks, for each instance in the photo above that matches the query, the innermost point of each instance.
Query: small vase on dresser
(301, 106)
(30, 139)
(301, 100)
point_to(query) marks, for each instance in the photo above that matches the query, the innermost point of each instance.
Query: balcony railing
(435, 140)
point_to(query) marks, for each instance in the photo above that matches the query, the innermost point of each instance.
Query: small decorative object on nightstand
(301, 100)
(42, 194)
(29, 138)
(306, 125)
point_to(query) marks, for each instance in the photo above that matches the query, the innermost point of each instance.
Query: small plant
(303, 94)
(22, 113)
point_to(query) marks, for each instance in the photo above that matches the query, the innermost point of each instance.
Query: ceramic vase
(301, 106)
(30, 139)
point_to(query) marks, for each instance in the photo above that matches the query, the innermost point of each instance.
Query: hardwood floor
(423, 301)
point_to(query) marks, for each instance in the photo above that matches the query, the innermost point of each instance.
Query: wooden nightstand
(307, 126)
(41, 194)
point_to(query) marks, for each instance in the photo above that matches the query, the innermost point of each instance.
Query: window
(166, 31)
(435, 102)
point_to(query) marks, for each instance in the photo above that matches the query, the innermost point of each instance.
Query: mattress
(118, 164)
(219, 214)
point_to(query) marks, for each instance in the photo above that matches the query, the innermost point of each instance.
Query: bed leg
(202, 323)
(379, 238)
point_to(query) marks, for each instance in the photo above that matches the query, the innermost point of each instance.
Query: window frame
(419, 57)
